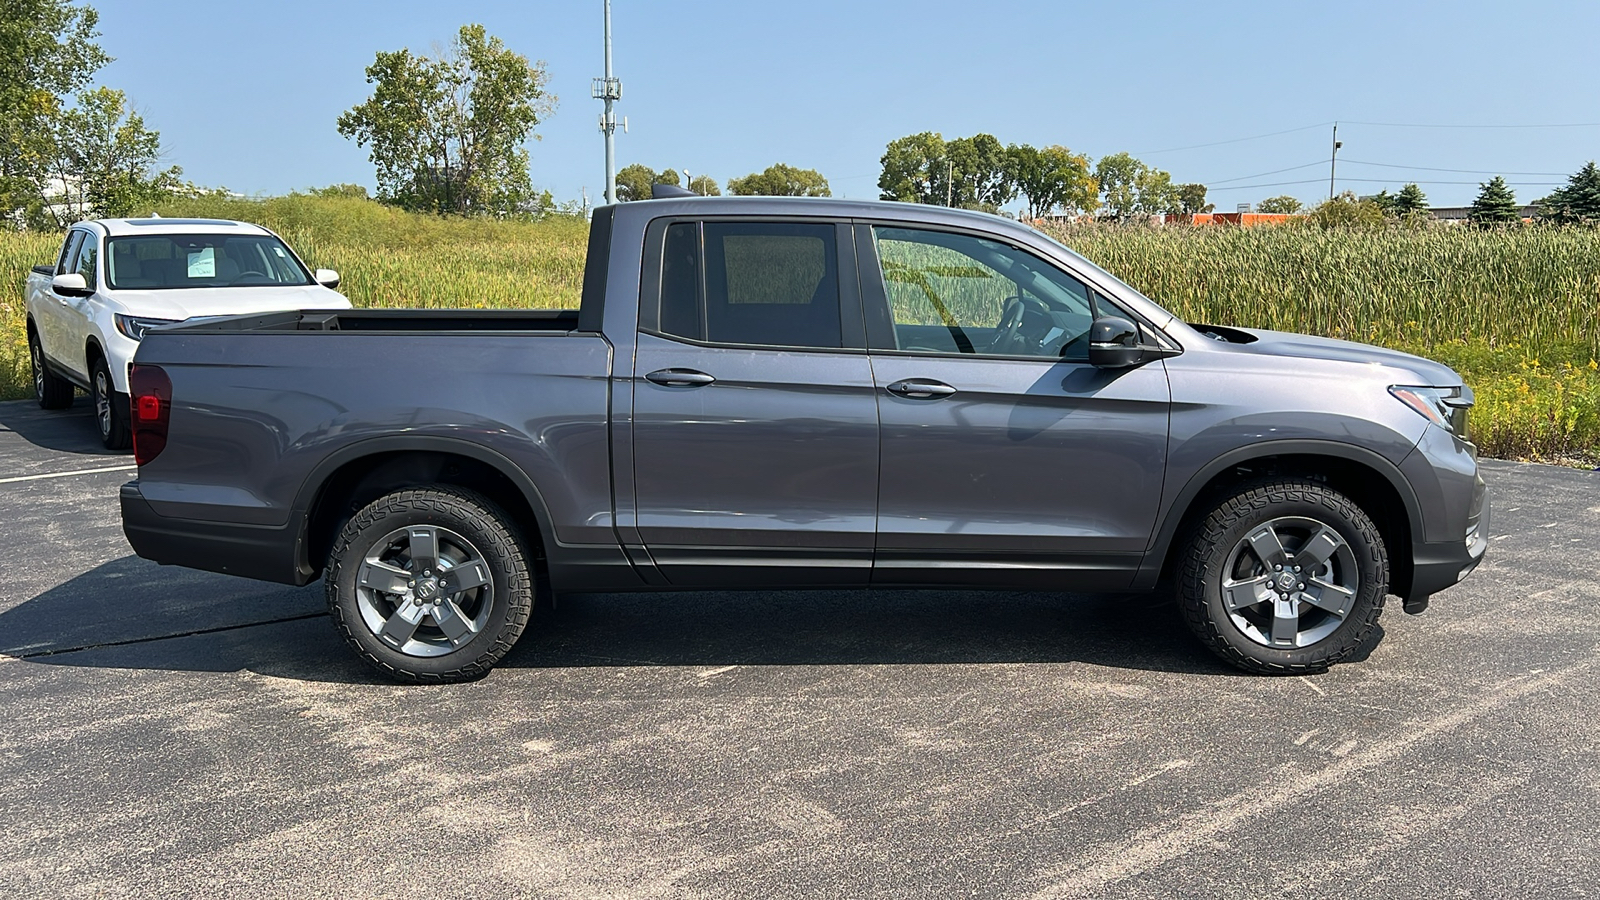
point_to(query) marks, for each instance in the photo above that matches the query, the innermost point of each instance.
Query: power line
(1265, 174)
(1254, 137)
(1242, 187)
(1422, 125)
(1458, 171)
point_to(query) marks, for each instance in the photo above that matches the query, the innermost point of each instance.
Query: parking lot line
(18, 478)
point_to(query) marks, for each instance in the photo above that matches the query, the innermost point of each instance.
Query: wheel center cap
(1286, 581)
(427, 588)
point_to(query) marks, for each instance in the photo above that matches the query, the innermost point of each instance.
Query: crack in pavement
(57, 651)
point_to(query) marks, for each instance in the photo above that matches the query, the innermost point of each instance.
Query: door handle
(679, 377)
(921, 388)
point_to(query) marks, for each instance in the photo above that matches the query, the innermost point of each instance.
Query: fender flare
(311, 488)
(1161, 543)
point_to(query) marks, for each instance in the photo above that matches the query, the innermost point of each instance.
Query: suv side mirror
(1114, 343)
(70, 284)
(328, 278)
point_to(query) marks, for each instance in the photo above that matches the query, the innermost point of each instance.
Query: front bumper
(251, 551)
(1436, 566)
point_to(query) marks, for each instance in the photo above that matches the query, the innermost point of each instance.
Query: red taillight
(151, 393)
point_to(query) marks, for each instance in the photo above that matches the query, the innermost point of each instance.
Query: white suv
(115, 278)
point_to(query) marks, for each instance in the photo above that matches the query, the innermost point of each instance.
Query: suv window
(767, 283)
(955, 293)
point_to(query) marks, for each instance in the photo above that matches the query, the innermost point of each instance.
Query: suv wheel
(430, 585)
(111, 409)
(52, 391)
(1284, 577)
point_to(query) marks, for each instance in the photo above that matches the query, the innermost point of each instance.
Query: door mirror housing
(1114, 344)
(70, 284)
(328, 278)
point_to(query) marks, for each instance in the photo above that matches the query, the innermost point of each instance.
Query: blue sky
(245, 95)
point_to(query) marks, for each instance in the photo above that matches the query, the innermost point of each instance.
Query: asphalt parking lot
(174, 733)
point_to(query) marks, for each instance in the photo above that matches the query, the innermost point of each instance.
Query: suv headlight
(136, 326)
(1444, 407)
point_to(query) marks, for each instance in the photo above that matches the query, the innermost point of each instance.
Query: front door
(1007, 459)
(755, 426)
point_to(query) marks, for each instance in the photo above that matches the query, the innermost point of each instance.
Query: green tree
(781, 180)
(1280, 204)
(1575, 203)
(978, 172)
(1128, 187)
(635, 181)
(47, 52)
(705, 186)
(1387, 203)
(1410, 201)
(100, 160)
(1052, 178)
(1496, 206)
(1346, 211)
(914, 169)
(447, 133)
(1192, 199)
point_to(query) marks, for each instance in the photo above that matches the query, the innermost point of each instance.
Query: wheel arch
(1368, 479)
(360, 473)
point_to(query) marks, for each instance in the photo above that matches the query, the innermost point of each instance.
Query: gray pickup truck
(762, 393)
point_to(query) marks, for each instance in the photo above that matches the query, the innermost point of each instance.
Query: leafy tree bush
(98, 159)
(1410, 201)
(1280, 204)
(447, 133)
(1052, 178)
(1496, 206)
(781, 180)
(1191, 199)
(705, 186)
(634, 181)
(1128, 188)
(1346, 211)
(970, 173)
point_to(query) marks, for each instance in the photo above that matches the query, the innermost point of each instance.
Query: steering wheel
(243, 275)
(1008, 335)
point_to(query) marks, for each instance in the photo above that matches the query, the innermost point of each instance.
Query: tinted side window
(680, 282)
(772, 283)
(86, 258)
(69, 253)
(955, 293)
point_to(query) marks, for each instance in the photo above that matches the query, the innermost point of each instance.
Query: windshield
(166, 261)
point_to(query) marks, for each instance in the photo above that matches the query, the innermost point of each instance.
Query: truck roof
(824, 206)
(124, 227)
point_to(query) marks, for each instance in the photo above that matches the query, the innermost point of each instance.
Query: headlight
(136, 326)
(1444, 407)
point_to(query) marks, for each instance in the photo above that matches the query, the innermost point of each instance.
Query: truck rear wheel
(430, 585)
(1284, 577)
(52, 391)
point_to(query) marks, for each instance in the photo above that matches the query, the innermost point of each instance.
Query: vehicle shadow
(70, 430)
(130, 613)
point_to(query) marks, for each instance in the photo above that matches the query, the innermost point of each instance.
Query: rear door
(1006, 458)
(755, 425)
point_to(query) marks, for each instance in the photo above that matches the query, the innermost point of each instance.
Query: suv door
(1006, 458)
(77, 313)
(755, 425)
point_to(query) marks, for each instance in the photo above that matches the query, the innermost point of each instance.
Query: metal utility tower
(609, 89)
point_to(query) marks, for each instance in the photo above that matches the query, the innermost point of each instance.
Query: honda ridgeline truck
(763, 393)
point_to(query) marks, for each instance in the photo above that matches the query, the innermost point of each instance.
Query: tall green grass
(1514, 311)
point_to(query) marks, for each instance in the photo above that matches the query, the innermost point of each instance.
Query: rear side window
(766, 283)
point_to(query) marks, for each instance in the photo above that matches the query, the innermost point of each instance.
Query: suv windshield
(164, 261)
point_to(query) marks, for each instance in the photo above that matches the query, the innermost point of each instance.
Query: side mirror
(1114, 343)
(70, 284)
(328, 278)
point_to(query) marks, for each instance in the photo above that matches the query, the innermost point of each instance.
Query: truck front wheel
(111, 409)
(430, 585)
(1284, 577)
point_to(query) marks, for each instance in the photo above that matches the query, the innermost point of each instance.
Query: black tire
(51, 390)
(401, 613)
(111, 409)
(1308, 617)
